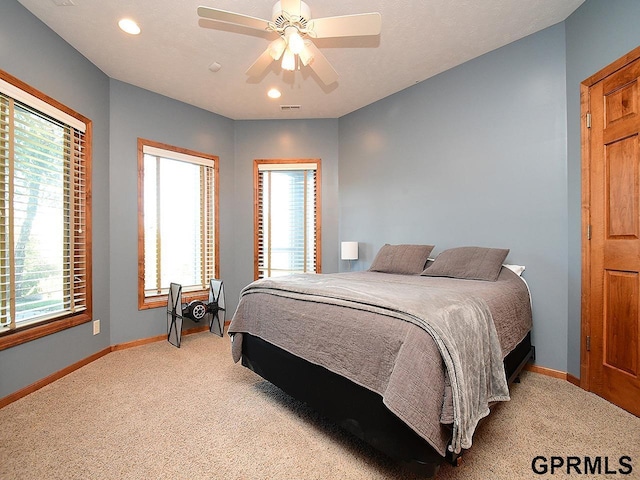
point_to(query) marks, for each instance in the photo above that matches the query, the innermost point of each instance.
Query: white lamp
(349, 251)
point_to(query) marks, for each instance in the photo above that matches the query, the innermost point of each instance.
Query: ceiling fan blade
(346, 25)
(292, 7)
(260, 65)
(321, 65)
(233, 18)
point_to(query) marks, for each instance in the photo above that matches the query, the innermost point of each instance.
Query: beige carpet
(158, 412)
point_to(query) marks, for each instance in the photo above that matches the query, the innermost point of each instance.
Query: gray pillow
(471, 263)
(403, 259)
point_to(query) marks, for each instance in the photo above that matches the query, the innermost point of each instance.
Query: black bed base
(355, 408)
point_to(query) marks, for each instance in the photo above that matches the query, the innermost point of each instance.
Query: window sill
(26, 334)
(161, 300)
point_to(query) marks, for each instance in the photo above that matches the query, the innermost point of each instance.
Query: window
(287, 217)
(178, 222)
(45, 214)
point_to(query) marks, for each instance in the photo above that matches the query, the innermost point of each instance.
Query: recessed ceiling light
(274, 93)
(129, 26)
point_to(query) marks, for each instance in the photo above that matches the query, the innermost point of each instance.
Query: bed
(408, 356)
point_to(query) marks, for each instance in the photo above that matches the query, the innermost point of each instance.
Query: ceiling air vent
(285, 108)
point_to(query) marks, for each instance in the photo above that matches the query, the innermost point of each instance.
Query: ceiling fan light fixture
(291, 20)
(306, 57)
(288, 60)
(294, 40)
(276, 48)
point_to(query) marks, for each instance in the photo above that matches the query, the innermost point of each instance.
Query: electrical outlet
(96, 327)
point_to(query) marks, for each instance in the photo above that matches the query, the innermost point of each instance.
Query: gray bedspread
(441, 363)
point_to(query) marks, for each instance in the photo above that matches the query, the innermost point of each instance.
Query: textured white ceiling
(419, 39)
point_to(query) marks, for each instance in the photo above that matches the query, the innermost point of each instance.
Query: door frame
(585, 149)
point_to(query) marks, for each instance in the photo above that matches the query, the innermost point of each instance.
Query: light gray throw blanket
(461, 326)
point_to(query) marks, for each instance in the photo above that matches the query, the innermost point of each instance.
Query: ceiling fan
(291, 21)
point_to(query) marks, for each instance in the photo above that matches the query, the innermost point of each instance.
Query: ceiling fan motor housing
(280, 21)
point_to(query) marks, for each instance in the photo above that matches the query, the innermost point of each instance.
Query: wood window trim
(158, 301)
(32, 332)
(256, 206)
(27, 333)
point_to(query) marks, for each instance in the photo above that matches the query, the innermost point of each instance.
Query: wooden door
(614, 231)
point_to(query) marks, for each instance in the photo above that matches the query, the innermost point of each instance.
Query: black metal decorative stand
(196, 310)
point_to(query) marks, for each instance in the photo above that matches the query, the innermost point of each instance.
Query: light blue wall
(473, 156)
(37, 56)
(122, 113)
(139, 113)
(598, 33)
(485, 154)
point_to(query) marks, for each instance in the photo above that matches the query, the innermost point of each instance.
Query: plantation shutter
(287, 226)
(43, 206)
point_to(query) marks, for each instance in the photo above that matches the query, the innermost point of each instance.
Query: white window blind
(287, 219)
(179, 221)
(43, 205)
